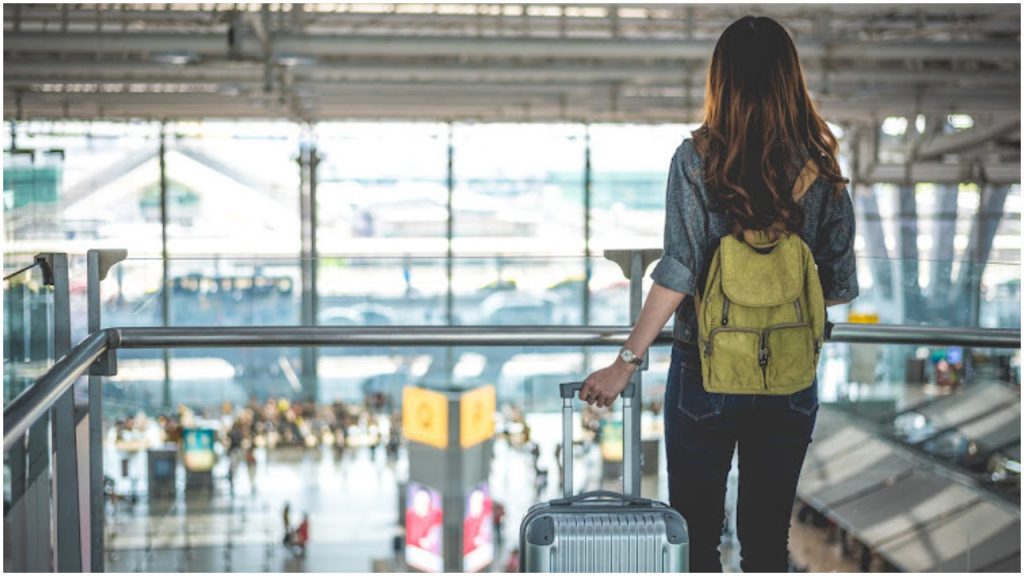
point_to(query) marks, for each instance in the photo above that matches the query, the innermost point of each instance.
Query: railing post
(38, 545)
(98, 262)
(634, 265)
(68, 527)
(17, 517)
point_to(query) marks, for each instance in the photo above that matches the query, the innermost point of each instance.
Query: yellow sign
(862, 318)
(476, 422)
(425, 416)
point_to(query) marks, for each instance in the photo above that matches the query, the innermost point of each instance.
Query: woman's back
(693, 230)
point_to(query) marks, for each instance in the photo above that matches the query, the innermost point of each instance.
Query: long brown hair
(759, 121)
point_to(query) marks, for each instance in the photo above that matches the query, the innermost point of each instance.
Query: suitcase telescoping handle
(568, 390)
(600, 496)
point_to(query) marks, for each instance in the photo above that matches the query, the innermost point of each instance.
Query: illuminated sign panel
(424, 529)
(198, 449)
(425, 416)
(478, 530)
(477, 416)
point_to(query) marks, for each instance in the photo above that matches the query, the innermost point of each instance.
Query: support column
(308, 163)
(983, 231)
(449, 258)
(588, 267)
(943, 251)
(910, 287)
(866, 202)
(165, 300)
(450, 230)
(587, 254)
(874, 237)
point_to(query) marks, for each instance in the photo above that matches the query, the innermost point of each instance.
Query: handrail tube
(925, 335)
(39, 397)
(20, 270)
(277, 336)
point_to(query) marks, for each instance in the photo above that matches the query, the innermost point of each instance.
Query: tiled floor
(352, 503)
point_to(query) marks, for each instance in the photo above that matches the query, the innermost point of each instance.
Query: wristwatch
(629, 357)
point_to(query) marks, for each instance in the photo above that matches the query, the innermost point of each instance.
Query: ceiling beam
(206, 44)
(967, 139)
(41, 70)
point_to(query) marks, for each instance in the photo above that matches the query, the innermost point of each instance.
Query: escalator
(935, 487)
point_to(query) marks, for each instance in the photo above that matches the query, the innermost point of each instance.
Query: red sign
(423, 528)
(478, 530)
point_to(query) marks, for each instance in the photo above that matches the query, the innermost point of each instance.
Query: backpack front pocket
(731, 355)
(791, 356)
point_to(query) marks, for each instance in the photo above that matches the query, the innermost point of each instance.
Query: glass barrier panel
(245, 433)
(234, 448)
(28, 331)
(131, 293)
(382, 291)
(361, 290)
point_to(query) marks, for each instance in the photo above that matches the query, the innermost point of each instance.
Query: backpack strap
(803, 182)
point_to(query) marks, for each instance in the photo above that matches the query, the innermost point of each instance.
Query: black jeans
(701, 431)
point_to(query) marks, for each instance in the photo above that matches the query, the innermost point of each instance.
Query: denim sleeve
(685, 231)
(837, 266)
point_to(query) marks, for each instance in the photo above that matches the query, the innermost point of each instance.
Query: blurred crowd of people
(276, 422)
(272, 424)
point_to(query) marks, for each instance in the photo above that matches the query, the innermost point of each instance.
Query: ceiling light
(292, 60)
(960, 121)
(175, 57)
(894, 126)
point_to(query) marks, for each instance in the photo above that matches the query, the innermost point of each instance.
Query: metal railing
(95, 356)
(19, 415)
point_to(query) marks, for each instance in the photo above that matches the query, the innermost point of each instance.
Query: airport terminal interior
(291, 287)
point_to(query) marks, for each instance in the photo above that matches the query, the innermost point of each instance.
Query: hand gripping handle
(570, 389)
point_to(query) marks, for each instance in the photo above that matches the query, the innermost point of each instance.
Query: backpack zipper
(799, 314)
(762, 358)
(787, 325)
(725, 312)
(711, 336)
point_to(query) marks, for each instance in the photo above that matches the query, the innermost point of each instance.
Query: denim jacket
(692, 234)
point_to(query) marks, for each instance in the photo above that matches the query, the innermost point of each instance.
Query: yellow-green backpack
(761, 315)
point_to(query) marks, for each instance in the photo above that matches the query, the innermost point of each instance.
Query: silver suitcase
(602, 531)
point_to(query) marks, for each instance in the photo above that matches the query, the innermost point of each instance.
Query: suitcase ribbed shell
(578, 538)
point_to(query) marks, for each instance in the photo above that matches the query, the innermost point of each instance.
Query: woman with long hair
(738, 172)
